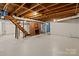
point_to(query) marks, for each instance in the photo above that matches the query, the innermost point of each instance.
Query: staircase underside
(14, 21)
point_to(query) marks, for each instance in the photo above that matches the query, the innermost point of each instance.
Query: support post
(16, 32)
(23, 27)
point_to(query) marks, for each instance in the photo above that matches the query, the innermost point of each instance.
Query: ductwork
(30, 20)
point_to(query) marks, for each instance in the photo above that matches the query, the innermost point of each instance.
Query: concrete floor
(40, 45)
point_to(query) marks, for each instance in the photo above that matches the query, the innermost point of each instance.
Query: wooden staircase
(14, 21)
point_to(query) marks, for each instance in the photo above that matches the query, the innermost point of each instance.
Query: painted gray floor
(40, 45)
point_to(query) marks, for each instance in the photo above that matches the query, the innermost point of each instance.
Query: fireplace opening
(37, 31)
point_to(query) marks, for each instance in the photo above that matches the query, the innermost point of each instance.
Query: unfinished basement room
(39, 29)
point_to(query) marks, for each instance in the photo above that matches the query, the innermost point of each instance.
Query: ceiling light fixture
(35, 13)
(54, 20)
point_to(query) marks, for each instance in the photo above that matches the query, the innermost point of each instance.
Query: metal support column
(23, 27)
(16, 32)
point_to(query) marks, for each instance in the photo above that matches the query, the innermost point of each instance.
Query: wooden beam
(76, 8)
(18, 8)
(44, 7)
(25, 8)
(5, 6)
(63, 15)
(47, 7)
(67, 11)
(58, 7)
(62, 9)
(28, 9)
(21, 7)
(35, 16)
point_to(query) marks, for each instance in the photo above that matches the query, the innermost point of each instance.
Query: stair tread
(16, 23)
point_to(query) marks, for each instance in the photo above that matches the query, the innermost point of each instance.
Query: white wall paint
(68, 28)
(9, 27)
(0, 28)
(65, 37)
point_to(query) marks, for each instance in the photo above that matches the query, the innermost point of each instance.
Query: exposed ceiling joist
(61, 9)
(44, 11)
(28, 9)
(44, 7)
(67, 11)
(5, 6)
(76, 8)
(47, 7)
(58, 7)
(18, 8)
(24, 8)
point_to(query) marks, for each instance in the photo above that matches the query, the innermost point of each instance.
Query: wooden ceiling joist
(44, 7)
(28, 9)
(45, 11)
(61, 10)
(67, 11)
(76, 8)
(57, 8)
(47, 7)
(5, 6)
(18, 8)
